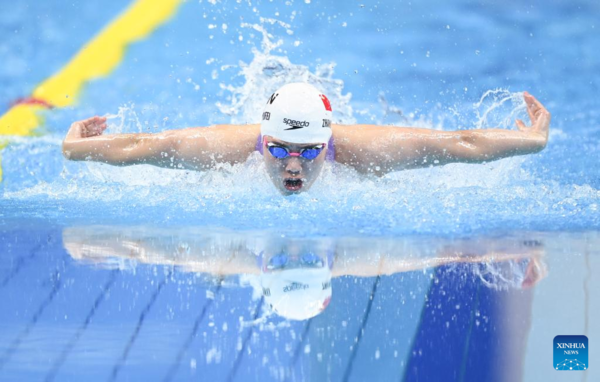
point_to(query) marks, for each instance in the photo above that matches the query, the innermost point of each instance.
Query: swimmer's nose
(293, 166)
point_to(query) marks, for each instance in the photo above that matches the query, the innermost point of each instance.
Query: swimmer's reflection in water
(295, 275)
(296, 278)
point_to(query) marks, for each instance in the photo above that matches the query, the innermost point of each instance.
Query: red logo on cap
(325, 102)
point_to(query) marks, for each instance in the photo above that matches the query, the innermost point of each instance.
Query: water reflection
(294, 274)
(147, 303)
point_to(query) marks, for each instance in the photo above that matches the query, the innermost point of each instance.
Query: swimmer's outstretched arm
(198, 253)
(482, 251)
(379, 149)
(191, 148)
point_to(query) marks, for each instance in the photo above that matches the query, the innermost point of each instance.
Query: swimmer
(296, 137)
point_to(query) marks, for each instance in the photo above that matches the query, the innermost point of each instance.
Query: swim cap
(297, 113)
(297, 294)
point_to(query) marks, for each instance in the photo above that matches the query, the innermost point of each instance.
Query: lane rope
(97, 58)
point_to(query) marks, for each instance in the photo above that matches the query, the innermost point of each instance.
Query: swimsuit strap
(330, 154)
(259, 146)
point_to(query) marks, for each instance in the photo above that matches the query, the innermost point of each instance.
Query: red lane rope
(31, 101)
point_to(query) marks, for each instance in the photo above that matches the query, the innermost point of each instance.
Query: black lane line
(188, 341)
(67, 349)
(296, 355)
(465, 358)
(238, 359)
(20, 263)
(133, 338)
(361, 330)
(56, 285)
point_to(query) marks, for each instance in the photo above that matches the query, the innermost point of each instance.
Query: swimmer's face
(293, 174)
(294, 254)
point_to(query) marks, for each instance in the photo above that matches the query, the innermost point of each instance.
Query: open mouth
(292, 184)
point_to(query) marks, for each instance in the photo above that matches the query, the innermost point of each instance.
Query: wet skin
(293, 174)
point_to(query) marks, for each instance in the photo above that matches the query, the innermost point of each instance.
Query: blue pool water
(433, 66)
(109, 313)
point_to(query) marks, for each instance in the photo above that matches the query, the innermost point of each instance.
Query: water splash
(499, 108)
(125, 120)
(268, 72)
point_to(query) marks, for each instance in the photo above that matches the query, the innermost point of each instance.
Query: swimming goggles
(306, 260)
(281, 152)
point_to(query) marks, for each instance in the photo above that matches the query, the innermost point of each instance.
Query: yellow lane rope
(96, 59)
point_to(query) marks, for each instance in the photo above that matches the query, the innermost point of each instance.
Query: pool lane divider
(98, 58)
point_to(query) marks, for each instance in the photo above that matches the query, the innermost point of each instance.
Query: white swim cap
(297, 113)
(297, 294)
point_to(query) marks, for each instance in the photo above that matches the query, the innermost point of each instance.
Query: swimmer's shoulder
(233, 135)
(232, 143)
(350, 137)
(223, 129)
(362, 134)
(361, 143)
(362, 131)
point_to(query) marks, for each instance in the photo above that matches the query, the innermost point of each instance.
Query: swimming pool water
(429, 64)
(134, 302)
(432, 66)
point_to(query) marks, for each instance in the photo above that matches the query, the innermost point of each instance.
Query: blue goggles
(306, 260)
(281, 152)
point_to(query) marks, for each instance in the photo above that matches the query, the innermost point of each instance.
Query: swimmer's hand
(540, 119)
(84, 140)
(90, 127)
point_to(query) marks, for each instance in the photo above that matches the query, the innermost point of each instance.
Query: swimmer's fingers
(529, 101)
(93, 126)
(535, 109)
(540, 117)
(93, 120)
(521, 125)
(97, 130)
